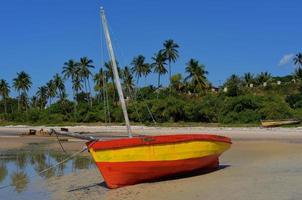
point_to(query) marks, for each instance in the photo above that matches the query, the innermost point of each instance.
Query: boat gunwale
(154, 140)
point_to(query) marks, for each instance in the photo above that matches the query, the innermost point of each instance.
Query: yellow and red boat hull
(130, 161)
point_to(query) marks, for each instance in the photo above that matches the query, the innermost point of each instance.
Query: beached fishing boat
(147, 158)
(276, 123)
(136, 160)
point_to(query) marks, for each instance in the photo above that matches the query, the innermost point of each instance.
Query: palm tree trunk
(158, 84)
(5, 106)
(19, 101)
(89, 95)
(170, 73)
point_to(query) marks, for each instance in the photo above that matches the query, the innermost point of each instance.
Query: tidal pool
(21, 170)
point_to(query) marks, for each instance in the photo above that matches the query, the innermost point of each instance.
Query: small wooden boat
(135, 160)
(146, 158)
(276, 123)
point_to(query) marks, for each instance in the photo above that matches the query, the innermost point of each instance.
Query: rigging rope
(115, 41)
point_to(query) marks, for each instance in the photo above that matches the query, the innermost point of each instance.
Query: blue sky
(236, 36)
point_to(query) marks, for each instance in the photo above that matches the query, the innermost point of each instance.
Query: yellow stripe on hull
(161, 152)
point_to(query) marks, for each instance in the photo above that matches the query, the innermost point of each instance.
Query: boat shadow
(197, 172)
(167, 178)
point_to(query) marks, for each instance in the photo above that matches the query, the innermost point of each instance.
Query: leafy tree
(159, 62)
(233, 85)
(4, 92)
(197, 75)
(176, 82)
(171, 53)
(22, 84)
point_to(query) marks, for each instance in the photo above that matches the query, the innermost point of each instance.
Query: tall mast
(115, 71)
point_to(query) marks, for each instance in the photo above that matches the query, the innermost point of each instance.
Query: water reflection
(3, 171)
(19, 168)
(19, 180)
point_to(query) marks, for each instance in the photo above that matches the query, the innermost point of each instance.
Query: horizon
(39, 37)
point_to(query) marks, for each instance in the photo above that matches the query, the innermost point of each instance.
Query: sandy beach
(262, 164)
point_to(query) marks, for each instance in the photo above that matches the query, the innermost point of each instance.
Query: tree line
(176, 102)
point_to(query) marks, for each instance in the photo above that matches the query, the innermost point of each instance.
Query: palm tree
(171, 53)
(298, 73)
(139, 67)
(71, 70)
(263, 77)
(197, 74)
(42, 96)
(146, 70)
(85, 65)
(159, 62)
(99, 80)
(22, 84)
(109, 70)
(33, 101)
(59, 85)
(128, 80)
(248, 78)
(298, 60)
(4, 92)
(51, 90)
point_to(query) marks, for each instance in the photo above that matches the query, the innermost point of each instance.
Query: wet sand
(262, 164)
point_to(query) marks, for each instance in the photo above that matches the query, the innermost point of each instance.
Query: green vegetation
(188, 98)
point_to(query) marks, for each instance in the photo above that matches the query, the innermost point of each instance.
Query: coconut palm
(33, 101)
(128, 80)
(298, 73)
(42, 96)
(86, 65)
(100, 80)
(51, 90)
(263, 77)
(171, 53)
(146, 71)
(59, 85)
(298, 60)
(109, 70)
(197, 74)
(139, 67)
(71, 70)
(4, 92)
(24, 101)
(248, 78)
(22, 84)
(159, 65)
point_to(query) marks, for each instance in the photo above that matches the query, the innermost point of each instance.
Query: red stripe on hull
(120, 174)
(152, 140)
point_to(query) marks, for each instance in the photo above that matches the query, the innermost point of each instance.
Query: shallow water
(21, 169)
